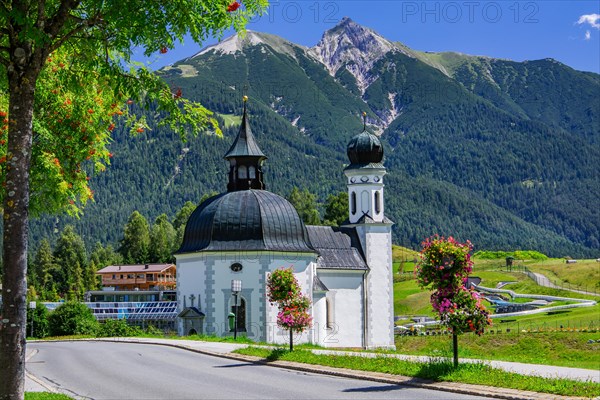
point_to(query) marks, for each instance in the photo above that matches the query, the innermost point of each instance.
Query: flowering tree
(66, 71)
(445, 266)
(283, 289)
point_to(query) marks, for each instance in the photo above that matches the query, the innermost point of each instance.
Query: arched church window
(377, 202)
(252, 172)
(353, 203)
(365, 205)
(242, 172)
(240, 313)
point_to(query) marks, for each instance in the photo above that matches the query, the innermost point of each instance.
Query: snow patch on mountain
(237, 43)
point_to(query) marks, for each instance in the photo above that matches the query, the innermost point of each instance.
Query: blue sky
(516, 30)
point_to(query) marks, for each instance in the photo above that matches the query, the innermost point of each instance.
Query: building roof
(339, 248)
(245, 220)
(111, 269)
(318, 285)
(191, 312)
(366, 219)
(244, 144)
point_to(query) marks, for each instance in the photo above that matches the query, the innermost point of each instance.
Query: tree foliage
(180, 222)
(65, 72)
(306, 204)
(162, 240)
(71, 259)
(135, 246)
(336, 209)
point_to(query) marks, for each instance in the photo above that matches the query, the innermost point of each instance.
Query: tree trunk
(22, 80)
(291, 339)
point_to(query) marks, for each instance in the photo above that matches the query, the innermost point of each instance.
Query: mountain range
(500, 152)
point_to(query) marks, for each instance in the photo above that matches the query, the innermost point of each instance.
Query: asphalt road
(100, 370)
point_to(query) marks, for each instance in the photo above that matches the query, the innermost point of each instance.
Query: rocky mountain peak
(353, 47)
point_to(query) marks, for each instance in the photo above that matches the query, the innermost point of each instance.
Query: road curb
(454, 387)
(35, 378)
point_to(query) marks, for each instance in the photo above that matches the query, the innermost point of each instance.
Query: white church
(247, 232)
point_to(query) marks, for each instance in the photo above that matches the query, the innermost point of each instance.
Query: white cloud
(592, 19)
(588, 35)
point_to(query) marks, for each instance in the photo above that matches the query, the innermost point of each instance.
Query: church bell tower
(245, 159)
(366, 213)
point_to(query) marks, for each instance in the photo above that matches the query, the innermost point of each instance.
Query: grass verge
(46, 396)
(436, 370)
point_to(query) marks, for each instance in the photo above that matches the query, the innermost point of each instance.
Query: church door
(241, 314)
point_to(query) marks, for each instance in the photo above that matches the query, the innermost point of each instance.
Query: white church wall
(346, 303)
(380, 313)
(319, 314)
(208, 276)
(189, 272)
(303, 271)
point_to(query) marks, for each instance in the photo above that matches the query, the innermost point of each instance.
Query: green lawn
(585, 274)
(553, 338)
(567, 349)
(409, 299)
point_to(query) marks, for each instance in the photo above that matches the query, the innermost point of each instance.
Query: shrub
(72, 318)
(519, 255)
(39, 317)
(117, 327)
(153, 331)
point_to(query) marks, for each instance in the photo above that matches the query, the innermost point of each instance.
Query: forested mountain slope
(499, 152)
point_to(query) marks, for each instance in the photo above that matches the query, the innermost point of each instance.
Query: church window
(242, 172)
(251, 172)
(377, 203)
(236, 267)
(353, 203)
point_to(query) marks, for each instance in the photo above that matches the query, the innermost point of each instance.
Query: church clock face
(236, 267)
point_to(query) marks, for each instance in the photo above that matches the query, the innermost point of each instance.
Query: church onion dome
(245, 220)
(365, 150)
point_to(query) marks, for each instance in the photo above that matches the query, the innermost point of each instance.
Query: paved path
(543, 280)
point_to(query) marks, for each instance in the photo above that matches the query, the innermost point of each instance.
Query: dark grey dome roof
(245, 220)
(365, 148)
